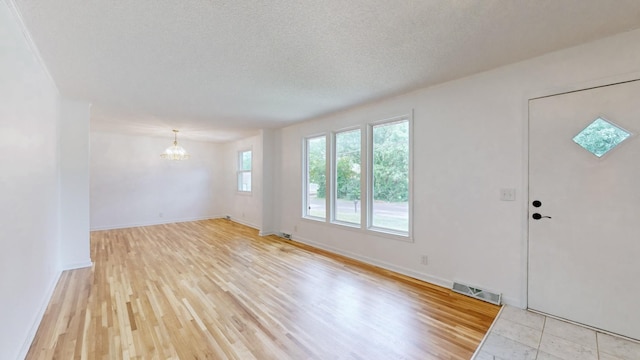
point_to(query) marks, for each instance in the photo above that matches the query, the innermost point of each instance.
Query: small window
(389, 196)
(600, 137)
(316, 177)
(244, 171)
(347, 177)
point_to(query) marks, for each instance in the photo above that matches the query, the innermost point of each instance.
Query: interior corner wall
(29, 187)
(74, 184)
(270, 164)
(275, 207)
(245, 208)
(130, 185)
(470, 140)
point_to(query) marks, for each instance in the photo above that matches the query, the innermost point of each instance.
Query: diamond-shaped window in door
(600, 137)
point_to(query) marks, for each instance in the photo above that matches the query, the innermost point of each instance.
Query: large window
(389, 196)
(244, 171)
(371, 189)
(347, 203)
(316, 177)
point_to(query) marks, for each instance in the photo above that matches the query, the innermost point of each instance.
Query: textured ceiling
(219, 70)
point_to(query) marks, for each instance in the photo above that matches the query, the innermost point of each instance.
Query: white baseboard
(78, 265)
(399, 269)
(151, 223)
(513, 302)
(38, 318)
(385, 265)
(245, 223)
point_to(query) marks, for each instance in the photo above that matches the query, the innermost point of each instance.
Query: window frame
(366, 180)
(334, 177)
(402, 235)
(240, 172)
(305, 178)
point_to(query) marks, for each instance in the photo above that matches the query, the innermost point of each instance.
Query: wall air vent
(286, 236)
(477, 293)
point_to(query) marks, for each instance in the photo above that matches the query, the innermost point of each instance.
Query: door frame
(538, 94)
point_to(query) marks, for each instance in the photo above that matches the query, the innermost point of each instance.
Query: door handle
(537, 216)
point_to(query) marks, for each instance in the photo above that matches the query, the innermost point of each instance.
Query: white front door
(584, 244)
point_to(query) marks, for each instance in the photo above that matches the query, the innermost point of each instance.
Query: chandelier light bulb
(175, 152)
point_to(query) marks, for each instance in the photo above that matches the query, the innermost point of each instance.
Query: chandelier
(175, 152)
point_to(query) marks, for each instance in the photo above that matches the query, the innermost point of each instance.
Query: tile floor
(522, 335)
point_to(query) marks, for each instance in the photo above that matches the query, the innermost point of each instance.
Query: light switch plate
(508, 194)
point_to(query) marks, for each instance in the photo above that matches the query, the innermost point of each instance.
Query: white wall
(270, 163)
(470, 140)
(245, 208)
(29, 223)
(74, 185)
(132, 186)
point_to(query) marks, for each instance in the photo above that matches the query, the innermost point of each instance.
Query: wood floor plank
(214, 289)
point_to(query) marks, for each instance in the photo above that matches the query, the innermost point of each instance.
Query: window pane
(316, 177)
(600, 137)
(244, 181)
(347, 163)
(390, 206)
(245, 160)
(244, 171)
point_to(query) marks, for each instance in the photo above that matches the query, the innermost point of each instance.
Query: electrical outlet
(424, 260)
(295, 228)
(160, 214)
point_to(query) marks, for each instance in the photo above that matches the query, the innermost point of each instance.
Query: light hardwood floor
(216, 290)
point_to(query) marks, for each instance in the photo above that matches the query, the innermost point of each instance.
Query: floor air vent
(477, 293)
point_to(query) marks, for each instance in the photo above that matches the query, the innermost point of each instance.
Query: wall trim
(151, 223)
(39, 315)
(246, 223)
(77, 265)
(582, 85)
(382, 264)
(511, 301)
(435, 280)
